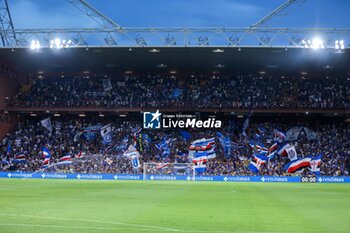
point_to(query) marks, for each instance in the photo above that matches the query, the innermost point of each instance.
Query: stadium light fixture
(82, 115)
(154, 50)
(56, 115)
(220, 66)
(339, 44)
(218, 51)
(162, 65)
(33, 114)
(35, 45)
(317, 43)
(58, 43)
(101, 115)
(122, 115)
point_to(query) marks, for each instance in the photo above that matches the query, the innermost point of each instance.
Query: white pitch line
(90, 220)
(74, 227)
(150, 228)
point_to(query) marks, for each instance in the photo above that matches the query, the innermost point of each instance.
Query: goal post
(186, 170)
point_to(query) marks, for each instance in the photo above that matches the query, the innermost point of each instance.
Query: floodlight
(317, 43)
(339, 44)
(35, 45)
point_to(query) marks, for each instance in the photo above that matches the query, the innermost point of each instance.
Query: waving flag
(46, 155)
(272, 150)
(65, 158)
(293, 133)
(202, 148)
(89, 132)
(162, 166)
(283, 149)
(298, 164)
(79, 155)
(225, 143)
(21, 158)
(106, 83)
(292, 153)
(200, 164)
(315, 164)
(109, 161)
(106, 133)
(164, 146)
(258, 160)
(258, 147)
(133, 155)
(203, 144)
(279, 136)
(46, 123)
(68, 162)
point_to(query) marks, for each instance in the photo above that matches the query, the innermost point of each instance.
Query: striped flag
(46, 155)
(298, 164)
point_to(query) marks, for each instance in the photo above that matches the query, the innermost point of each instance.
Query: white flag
(107, 86)
(292, 153)
(46, 123)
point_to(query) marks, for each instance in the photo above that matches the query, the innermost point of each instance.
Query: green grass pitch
(38, 206)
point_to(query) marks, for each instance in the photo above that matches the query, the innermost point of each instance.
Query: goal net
(168, 171)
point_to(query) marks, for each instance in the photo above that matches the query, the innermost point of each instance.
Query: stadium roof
(186, 60)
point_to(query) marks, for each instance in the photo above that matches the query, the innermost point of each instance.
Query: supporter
(30, 137)
(191, 92)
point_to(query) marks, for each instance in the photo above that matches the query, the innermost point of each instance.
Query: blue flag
(185, 134)
(225, 143)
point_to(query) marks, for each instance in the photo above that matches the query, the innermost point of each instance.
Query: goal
(168, 170)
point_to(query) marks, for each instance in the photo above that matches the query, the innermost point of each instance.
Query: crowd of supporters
(92, 155)
(241, 91)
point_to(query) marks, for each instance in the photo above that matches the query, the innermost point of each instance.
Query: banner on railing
(83, 176)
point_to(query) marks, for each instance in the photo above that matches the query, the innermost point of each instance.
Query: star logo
(151, 120)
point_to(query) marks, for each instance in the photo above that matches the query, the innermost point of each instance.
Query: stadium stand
(88, 152)
(200, 93)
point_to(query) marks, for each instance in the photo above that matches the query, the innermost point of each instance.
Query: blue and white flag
(46, 123)
(66, 162)
(176, 93)
(106, 133)
(89, 132)
(106, 83)
(298, 164)
(225, 143)
(21, 158)
(200, 164)
(164, 146)
(292, 153)
(203, 144)
(258, 160)
(46, 155)
(315, 165)
(279, 136)
(258, 147)
(133, 155)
